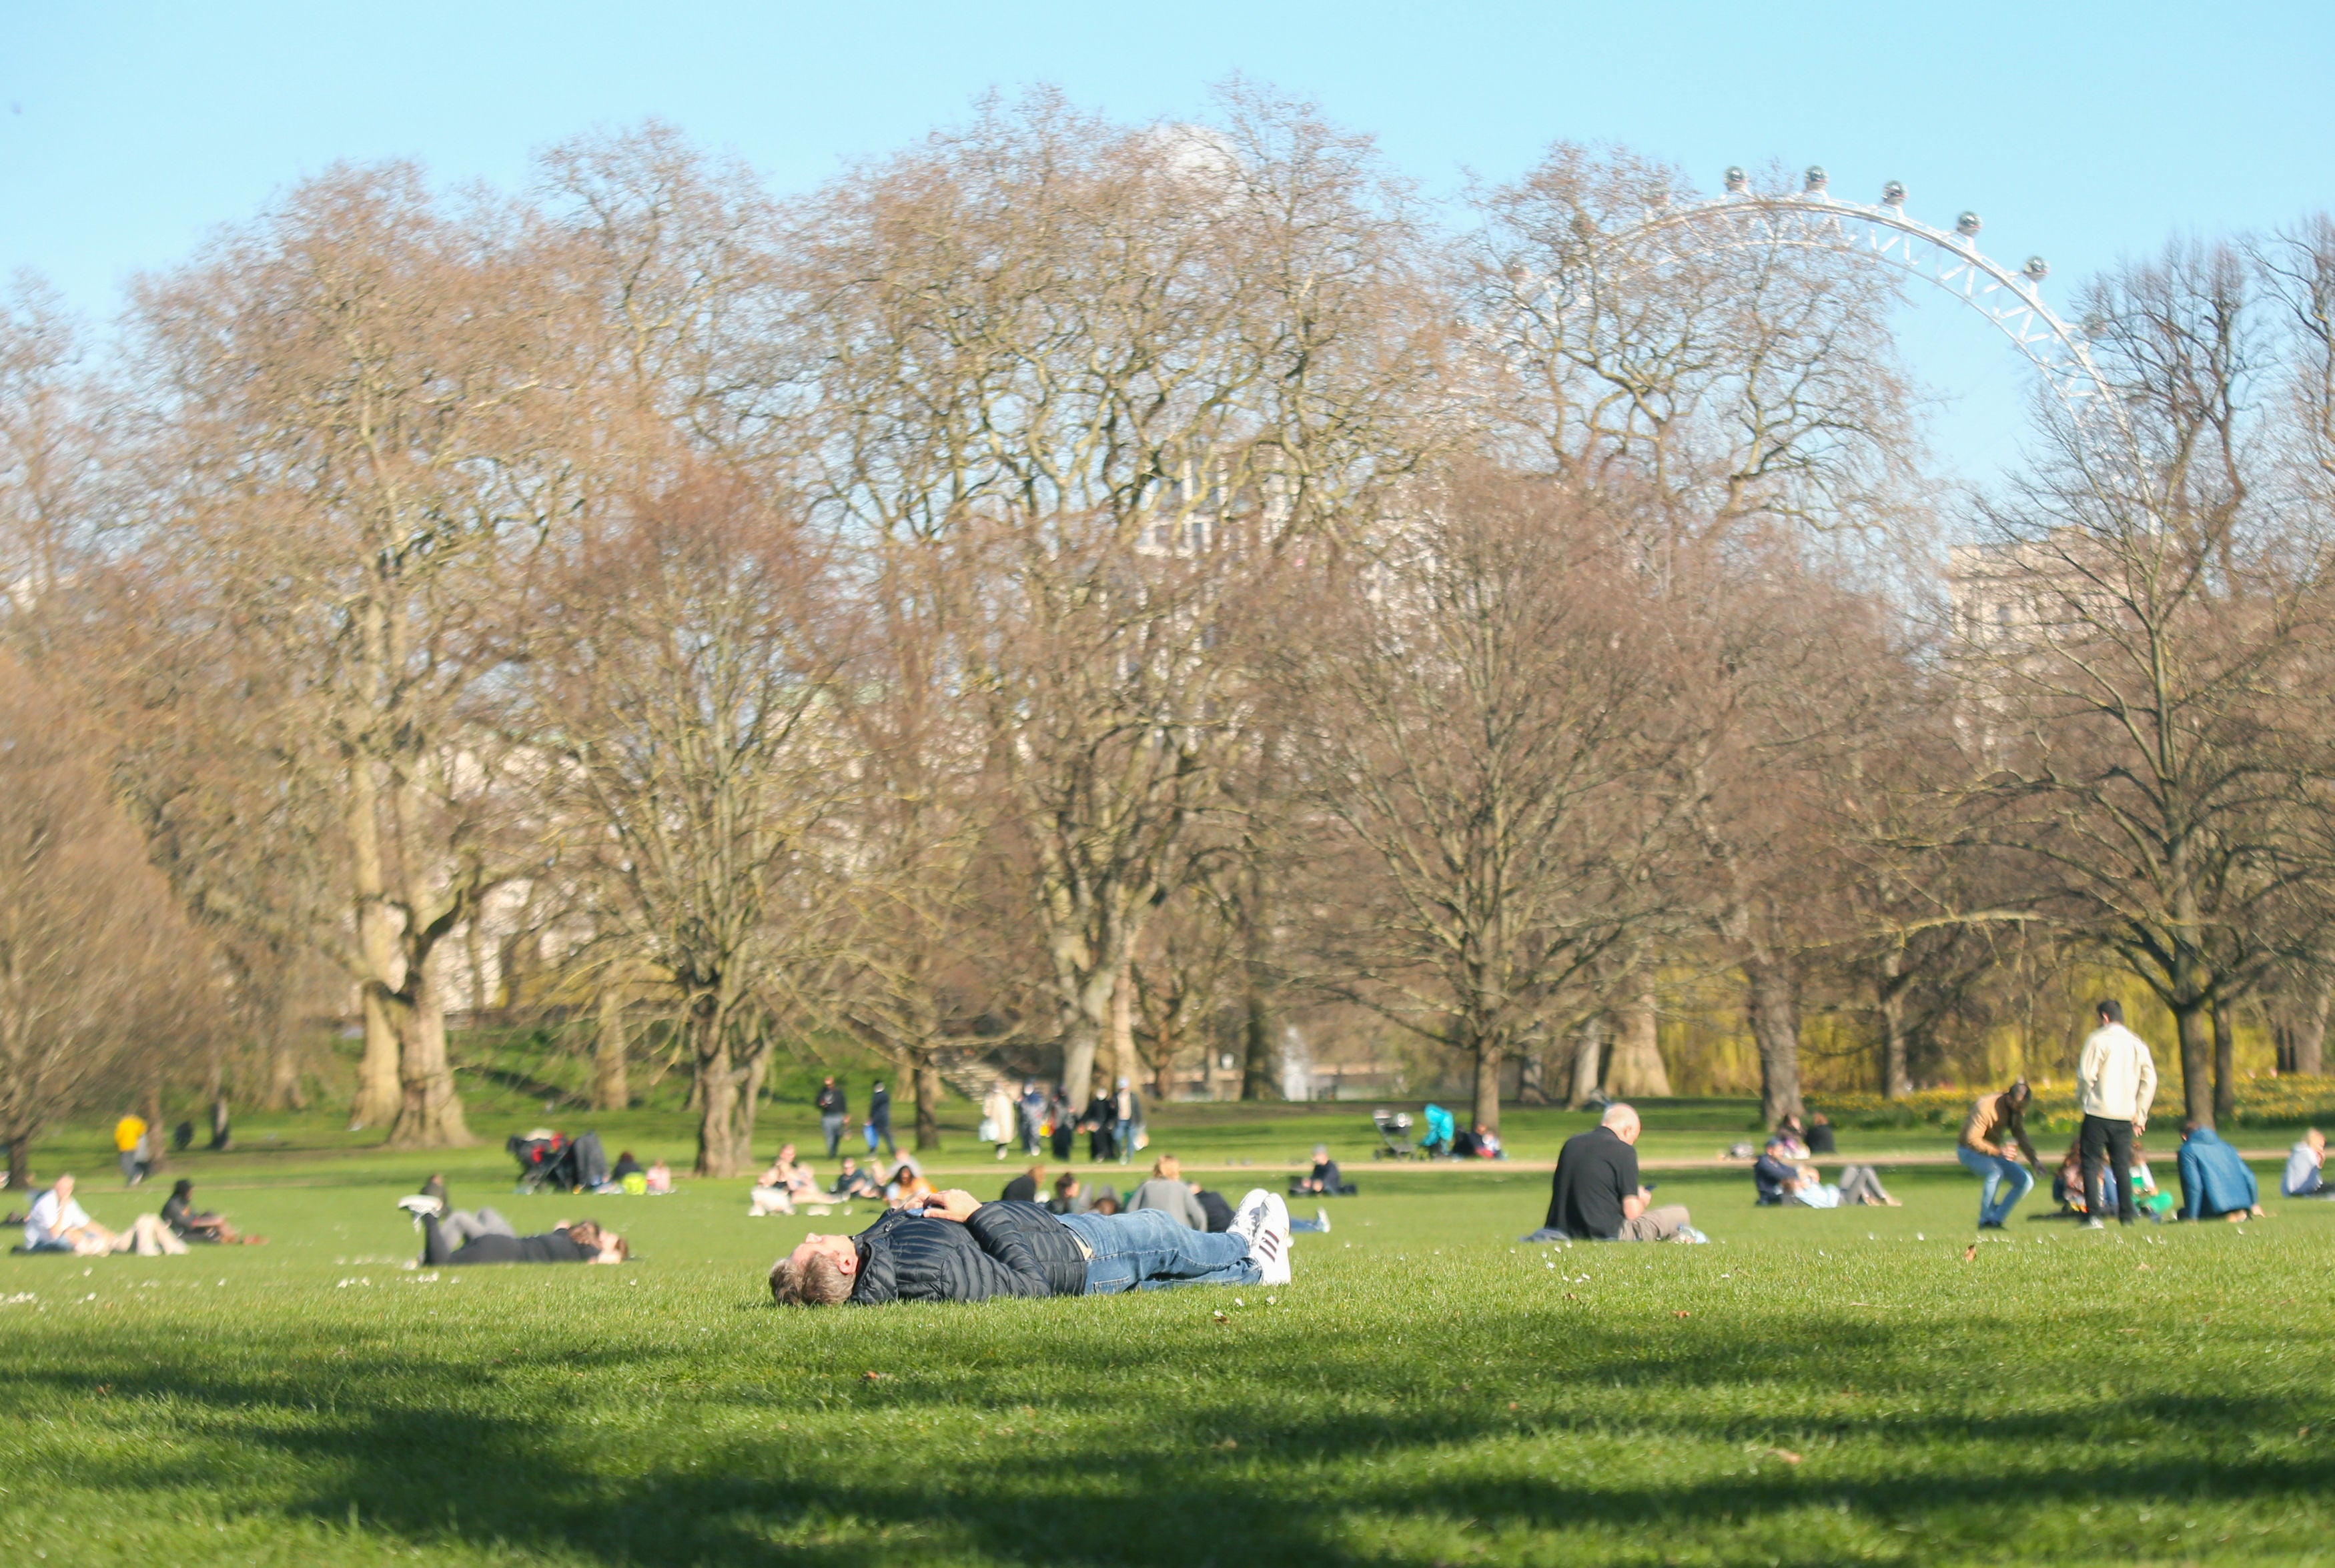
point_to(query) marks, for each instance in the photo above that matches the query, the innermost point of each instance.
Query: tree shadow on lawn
(439, 1470)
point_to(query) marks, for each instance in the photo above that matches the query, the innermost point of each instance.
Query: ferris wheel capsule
(1967, 226)
(1816, 179)
(2036, 270)
(1893, 193)
(1738, 182)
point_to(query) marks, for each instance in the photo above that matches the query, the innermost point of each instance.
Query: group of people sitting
(56, 1223)
(1783, 1173)
(791, 1182)
(1188, 1203)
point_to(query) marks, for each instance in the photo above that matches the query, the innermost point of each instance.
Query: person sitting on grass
(2214, 1182)
(1324, 1181)
(2145, 1195)
(179, 1212)
(1805, 1186)
(1106, 1200)
(56, 1223)
(1820, 1140)
(787, 1183)
(2306, 1165)
(1025, 1187)
(1595, 1196)
(1168, 1190)
(626, 1165)
(569, 1242)
(907, 1188)
(658, 1179)
(1070, 1195)
(956, 1248)
(852, 1181)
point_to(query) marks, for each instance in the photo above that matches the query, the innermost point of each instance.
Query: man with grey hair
(1596, 1195)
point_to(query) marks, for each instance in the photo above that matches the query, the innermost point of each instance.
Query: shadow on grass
(403, 1447)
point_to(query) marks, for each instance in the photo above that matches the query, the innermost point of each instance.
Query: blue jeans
(2006, 1176)
(1150, 1250)
(1123, 1134)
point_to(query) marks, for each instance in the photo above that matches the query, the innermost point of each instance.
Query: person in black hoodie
(960, 1249)
(833, 1111)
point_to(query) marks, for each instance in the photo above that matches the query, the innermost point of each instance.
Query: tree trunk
(1636, 1067)
(378, 1093)
(926, 1080)
(284, 1090)
(1896, 1069)
(20, 1164)
(2225, 1066)
(2303, 1033)
(158, 1139)
(1078, 1043)
(1260, 1062)
(222, 1131)
(1588, 1050)
(1123, 1064)
(1774, 1011)
(2196, 1032)
(1532, 1079)
(718, 1154)
(611, 1050)
(429, 1112)
(1491, 1057)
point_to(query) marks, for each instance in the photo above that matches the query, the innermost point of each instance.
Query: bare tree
(101, 980)
(1487, 719)
(2161, 738)
(684, 695)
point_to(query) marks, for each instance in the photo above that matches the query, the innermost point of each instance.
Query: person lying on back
(956, 1248)
(576, 1242)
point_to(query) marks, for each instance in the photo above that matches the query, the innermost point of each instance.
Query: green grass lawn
(1813, 1388)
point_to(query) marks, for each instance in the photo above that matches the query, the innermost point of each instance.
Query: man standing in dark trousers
(879, 1119)
(833, 1112)
(2116, 1082)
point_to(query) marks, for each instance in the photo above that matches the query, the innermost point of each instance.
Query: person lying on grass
(956, 1248)
(569, 1242)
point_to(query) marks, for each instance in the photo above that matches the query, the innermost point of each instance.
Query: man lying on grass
(956, 1248)
(569, 1242)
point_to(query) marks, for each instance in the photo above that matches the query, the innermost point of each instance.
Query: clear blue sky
(2085, 132)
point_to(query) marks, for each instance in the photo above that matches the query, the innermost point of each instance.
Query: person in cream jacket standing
(2116, 1082)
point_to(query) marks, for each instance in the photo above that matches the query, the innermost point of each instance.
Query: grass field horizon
(1865, 1385)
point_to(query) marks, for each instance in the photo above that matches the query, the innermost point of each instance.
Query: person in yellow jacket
(130, 1140)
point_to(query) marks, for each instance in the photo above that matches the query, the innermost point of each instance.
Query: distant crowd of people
(1043, 1119)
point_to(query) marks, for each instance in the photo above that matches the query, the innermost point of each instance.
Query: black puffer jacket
(1005, 1249)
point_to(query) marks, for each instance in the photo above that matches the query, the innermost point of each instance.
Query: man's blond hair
(815, 1283)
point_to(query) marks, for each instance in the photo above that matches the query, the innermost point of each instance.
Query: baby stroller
(1436, 1142)
(550, 1163)
(1394, 1135)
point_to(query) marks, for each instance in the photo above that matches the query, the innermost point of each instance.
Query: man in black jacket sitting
(960, 1249)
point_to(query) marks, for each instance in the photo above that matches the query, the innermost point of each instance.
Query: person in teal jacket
(2214, 1182)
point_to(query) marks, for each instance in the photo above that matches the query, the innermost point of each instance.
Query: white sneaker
(1269, 1248)
(1249, 1215)
(1321, 1218)
(422, 1204)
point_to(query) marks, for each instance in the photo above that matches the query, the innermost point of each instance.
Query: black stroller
(550, 1163)
(1394, 1135)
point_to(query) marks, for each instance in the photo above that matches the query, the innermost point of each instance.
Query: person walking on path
(1033, 1119)
(1996, 1122)
(879, 1119)
(2116, 1083)
(834, 1111)
(997, 1117)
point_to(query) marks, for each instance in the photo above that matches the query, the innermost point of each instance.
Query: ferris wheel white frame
(1813, 219)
